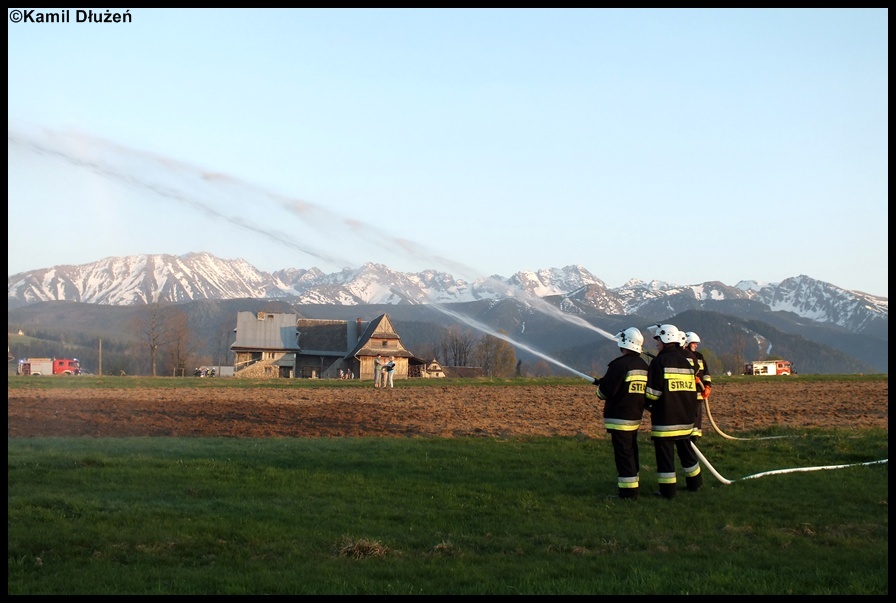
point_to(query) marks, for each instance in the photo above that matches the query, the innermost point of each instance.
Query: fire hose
(727, 482)
(725, 435)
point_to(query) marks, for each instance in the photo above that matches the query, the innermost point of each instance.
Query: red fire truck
(769, 367)
(49, 366)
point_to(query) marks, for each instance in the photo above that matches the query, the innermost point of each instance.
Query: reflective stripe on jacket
(671, 394)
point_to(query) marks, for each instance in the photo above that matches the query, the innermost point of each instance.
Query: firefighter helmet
(668, 334)
(630, 339)
(692, 337)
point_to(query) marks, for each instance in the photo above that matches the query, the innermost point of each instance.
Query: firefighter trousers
(625, 454)
(665, 465)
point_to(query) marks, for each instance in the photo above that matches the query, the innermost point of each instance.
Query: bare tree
(180, 348)
(151, 327)
(735, 358)
(496, 356)
(542, 369)
(457, 346)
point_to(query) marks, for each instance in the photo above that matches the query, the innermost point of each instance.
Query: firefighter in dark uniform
(704, 381)
(698, 393)
(622, 390)
(672, 399)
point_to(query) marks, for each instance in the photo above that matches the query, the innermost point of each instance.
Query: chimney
(359, 328)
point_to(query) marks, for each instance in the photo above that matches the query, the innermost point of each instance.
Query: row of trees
(158, 340)
(162, 339)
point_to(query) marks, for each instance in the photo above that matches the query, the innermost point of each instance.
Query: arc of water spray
(309, 213)
(482, 327)
(109, 171)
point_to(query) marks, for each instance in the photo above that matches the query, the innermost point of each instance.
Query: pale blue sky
(678, 145)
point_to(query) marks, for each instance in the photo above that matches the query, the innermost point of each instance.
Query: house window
(385, 344)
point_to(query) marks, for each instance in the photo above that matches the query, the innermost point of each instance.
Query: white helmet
(668, 334)
(692, 337)
(683, 338)
(630, 339)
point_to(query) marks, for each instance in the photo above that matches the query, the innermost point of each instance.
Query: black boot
(695, 483)
(667, 491)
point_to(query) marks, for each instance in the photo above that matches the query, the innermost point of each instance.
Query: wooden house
(425, 369)
(284, 345)
(377, 337)
(266, 344)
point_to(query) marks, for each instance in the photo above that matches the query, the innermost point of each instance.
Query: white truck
(769, 367)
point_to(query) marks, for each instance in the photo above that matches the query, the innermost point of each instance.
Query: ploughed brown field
(426, 411)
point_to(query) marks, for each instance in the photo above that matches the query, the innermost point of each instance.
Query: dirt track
(408, 410)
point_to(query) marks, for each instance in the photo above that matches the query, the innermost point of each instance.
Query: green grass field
(441, 516)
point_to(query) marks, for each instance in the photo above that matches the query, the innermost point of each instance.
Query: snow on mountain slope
(168, 278)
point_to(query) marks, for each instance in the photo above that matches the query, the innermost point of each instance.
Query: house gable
(379, 337)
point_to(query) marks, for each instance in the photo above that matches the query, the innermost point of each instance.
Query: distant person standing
(671, 400)
(378, 370)
(388, 371)
(622, 390)
(704, 381)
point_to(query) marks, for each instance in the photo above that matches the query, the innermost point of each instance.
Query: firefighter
(704, 381)
(622, 390)
(698, 393)
(671, 399)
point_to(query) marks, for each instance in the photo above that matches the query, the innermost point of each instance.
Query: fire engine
(769, 367)
(49, 366)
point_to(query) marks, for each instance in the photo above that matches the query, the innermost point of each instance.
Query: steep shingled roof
(323, 336)
(378, 329)
(266, 331)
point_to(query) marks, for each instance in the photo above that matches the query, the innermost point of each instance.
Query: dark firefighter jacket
(671, 393)
(702, 369)
(622, 390)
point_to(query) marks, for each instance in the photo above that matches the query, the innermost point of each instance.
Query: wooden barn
(284, 345)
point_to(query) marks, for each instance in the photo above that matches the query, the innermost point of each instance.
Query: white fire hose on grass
(725, 481)
(728, 482)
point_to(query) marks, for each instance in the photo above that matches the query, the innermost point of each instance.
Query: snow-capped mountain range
(143, 279)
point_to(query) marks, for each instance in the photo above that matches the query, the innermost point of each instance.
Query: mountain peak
(168, 278)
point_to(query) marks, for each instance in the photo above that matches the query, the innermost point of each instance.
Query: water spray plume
(486, 329)
(178, 181)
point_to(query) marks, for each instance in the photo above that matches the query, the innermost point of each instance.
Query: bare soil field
(420, 411)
